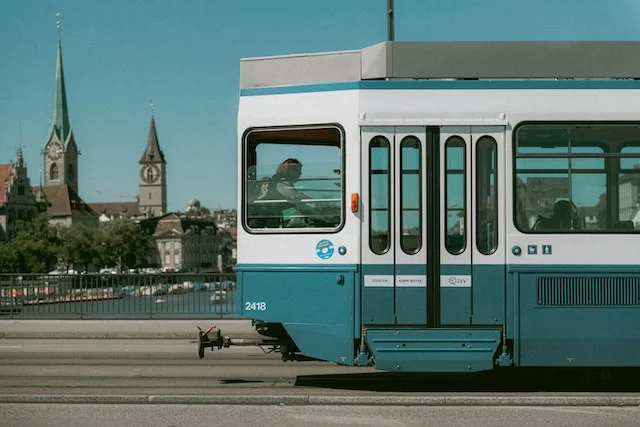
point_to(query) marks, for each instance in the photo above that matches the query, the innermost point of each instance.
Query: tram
(443, 206)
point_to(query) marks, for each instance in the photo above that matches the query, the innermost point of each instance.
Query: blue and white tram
(460, 206)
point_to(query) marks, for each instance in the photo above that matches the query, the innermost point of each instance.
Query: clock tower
(153, 177)
(60, 151)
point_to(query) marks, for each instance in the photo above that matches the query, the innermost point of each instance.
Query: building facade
(17, 199)
(188, 243)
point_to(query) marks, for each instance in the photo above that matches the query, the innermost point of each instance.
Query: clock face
(54, 151)
(150, 174)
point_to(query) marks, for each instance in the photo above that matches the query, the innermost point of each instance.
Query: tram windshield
(577, 178)
(293, 179)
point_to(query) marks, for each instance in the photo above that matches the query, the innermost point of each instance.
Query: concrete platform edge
(293, 400)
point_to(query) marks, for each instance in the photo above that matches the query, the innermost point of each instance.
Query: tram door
(431, 230)
(472, 257)
(394, 250)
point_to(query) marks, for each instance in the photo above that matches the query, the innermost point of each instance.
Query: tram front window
(293, 179)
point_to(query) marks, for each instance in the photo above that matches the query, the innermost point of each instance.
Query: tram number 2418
(255, 306)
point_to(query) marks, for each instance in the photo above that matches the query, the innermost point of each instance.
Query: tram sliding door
(433, 251)
(472, 252)
(394, 249)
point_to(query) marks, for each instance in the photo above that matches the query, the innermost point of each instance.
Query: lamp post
(390, 35)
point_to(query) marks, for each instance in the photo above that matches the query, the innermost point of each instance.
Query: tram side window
(380, 195)
(577, 178)
(293, 180)
(456, 195)
(487, 195)
(411, 195)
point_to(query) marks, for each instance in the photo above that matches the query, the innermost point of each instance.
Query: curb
(308, 400)
(192, 336)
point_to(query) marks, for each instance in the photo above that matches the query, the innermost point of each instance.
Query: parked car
(160, 290)
(218, 296)
(176, 289)
(10, 304)
(199, 287)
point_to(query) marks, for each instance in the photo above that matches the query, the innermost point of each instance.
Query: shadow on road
(505, 380)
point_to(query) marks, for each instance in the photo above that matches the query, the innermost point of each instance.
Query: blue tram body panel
(314, 303)
(576, 316)
(434, 350)
(488, 294)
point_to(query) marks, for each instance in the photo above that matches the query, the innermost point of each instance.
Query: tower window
(53, 172)
(70, 173)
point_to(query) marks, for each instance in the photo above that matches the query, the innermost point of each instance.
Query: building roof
(152, 153)
(116, 209)
(5, 180)
(174, 223)
(63, 201)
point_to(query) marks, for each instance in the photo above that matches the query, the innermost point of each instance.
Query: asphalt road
(170, 369)
(97, 415)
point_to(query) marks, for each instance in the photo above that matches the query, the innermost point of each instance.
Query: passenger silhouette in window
(562, 219)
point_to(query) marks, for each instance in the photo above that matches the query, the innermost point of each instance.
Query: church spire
(152, 152)
(60, 120)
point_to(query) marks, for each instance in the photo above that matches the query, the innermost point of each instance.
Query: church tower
(60, 151)
(153, 177)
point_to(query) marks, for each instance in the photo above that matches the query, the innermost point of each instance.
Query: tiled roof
(63, 200)
(5, 180)
(171, 222)
(116, 209)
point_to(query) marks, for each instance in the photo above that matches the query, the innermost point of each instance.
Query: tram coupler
(213, 338)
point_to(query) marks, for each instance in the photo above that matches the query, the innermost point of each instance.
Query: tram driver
(285, 197)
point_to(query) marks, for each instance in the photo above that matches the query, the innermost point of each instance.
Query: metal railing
(118, 296)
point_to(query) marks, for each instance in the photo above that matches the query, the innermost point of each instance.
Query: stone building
(188, 243)
(17, 199)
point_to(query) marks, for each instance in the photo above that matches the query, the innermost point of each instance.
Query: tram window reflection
(293, 179)
(577, 178)
(456, 195)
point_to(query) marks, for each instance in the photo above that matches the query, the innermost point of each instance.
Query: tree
(8, 258)
(79, 246)
(124, 244)
(36, 244)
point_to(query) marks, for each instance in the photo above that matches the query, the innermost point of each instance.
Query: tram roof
(449, 60)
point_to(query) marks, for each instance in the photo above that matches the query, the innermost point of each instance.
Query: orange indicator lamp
(355, 202)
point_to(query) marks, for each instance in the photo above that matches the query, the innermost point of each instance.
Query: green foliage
(36, 244)
(8, 257)
(79, 246)
(124, 244)
(39, 247)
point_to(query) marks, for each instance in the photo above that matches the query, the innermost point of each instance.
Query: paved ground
(120, 329)
(186, 329)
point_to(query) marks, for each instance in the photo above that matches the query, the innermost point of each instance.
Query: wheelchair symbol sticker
(324, 249)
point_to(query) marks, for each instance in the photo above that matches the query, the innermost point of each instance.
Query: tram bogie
(407, 207)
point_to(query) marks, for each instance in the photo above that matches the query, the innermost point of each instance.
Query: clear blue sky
(184, 55)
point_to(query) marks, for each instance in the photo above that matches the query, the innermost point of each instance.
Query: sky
(183, 56)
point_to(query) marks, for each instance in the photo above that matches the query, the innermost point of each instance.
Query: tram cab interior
(448, 212)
